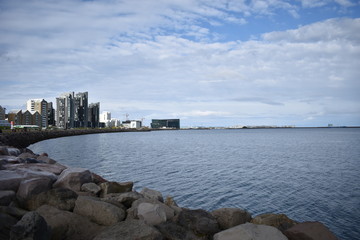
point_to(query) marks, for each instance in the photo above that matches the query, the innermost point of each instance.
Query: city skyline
(208, 63)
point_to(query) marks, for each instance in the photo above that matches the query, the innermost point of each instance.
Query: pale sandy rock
(152, 194)
(100, 212)
(250, 231)
(130, 230)
(280, 221)
(152, 214)
(310, 231)
(73, 178)
(126, 199)
(132, 213)
(68, 225)
(115, 187)
(230, 217)
(90, 187)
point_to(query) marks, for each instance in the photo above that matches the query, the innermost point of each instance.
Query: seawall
(24, 139)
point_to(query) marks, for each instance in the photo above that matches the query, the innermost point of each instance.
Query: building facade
(94, 115)
(81, 110)
(65, 110)
(2, 113)
(39, 105)
(165, 123)
(50, 114)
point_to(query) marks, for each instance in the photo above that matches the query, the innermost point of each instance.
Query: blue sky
(207, 62)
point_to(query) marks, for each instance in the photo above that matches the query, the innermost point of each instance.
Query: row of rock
(42, 199)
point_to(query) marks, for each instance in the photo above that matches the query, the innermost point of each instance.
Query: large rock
(73, 178)
(152, 214)
(250, 231)
(68, 225)
(126, 199)
(172, 231)
(31, 226)
(13, 211)
(100, 212)
(10, 180)
(115, 187)
(152, 194)
(132, 213)
(199, 221)
(130, 230)
(6, 222)
(37, 168)
(91, 188)
(280, 221)
(61, 198)
(45, 159)
(6, 197)
(27, 155)
(310, 231)
(230, 217)
(14, 151)
(34, 186)
(4, 150)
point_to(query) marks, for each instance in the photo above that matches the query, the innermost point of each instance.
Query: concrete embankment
(24, 139)
(42, 199)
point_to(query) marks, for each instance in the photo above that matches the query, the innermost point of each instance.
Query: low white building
(132, 124)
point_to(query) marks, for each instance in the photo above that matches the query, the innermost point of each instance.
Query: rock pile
(42, 199)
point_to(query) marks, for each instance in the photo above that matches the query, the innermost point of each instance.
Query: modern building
(39, 105)
(165, 123)
(105, 118)
(131, 124)
(2, 113)
(26, 117)
(50, 114)
(65, 110)
(81, 110)
(94, 115)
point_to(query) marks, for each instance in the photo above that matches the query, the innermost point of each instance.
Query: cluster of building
(72, 111)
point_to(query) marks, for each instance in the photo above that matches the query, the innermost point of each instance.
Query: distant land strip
(25, 139)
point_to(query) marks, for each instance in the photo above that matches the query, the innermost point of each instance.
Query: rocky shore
(43, 199)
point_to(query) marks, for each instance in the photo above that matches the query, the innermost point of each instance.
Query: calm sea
(308, 174)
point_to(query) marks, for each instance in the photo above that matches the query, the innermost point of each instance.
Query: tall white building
(105, 117)
(40, 106)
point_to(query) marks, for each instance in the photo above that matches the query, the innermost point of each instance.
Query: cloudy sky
(207, 62)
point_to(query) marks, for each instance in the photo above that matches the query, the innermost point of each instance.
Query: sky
(206, 62)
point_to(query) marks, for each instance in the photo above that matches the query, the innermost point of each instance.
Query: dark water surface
(308, 174)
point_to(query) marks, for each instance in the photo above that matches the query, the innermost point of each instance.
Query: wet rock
(6, 197)
(100, 212)
(27, 155)
(126, 199)
(10, 180)
(97, 178)
(230, 217)
(61, 198)
(68, 225)
(280, 221)
(4, 150)
(199, 221)
(31, 226)
(115, 187)
(152, 214)
(130, 230)
(310, 231)
(91, 188)
(152, 194)
(250, 231)
(73, 178)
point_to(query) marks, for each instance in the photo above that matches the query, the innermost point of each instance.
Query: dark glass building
(165, 123)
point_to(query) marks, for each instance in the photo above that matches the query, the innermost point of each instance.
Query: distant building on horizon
(2, 113)
(40, 106)
(94, 115)
(165, 123)
(136, 124)
(81, 110)
(65, 110)
(26, 117)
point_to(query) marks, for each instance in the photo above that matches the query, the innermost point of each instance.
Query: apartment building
(39, 105)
